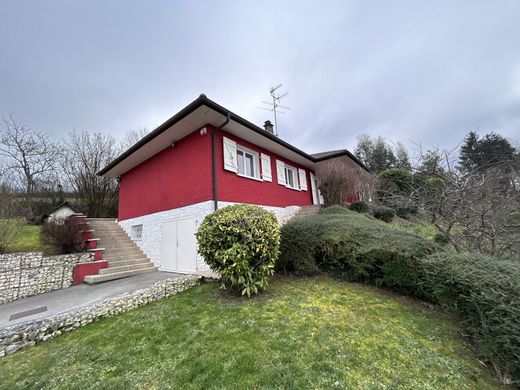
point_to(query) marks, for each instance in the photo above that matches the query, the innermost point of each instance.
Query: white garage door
(179, 245)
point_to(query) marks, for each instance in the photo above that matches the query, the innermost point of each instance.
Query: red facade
(182, 175)
(176, 177)
(234, 188)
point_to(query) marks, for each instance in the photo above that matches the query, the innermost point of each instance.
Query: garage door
(179, 245)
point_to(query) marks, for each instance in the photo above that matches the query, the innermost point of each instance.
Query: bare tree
(29, 157)
(132, 137)
(337, 181)
(478, 211)
(85, 155)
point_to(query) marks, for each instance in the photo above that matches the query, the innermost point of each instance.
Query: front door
(179, 245)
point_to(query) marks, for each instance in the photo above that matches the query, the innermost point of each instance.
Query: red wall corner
(84, 269)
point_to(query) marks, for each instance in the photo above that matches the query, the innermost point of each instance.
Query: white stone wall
(31, 273)
(150, 243)
(32, 332)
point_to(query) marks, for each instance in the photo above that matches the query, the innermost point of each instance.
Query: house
(60, 213)
(203, 158)
(363, 182)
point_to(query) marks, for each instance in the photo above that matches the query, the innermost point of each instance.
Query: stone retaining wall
(30, 333)
(31, 273)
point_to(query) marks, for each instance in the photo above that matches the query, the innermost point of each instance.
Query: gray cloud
(410, 71)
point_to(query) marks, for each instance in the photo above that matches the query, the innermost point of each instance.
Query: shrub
(405, 211)
(335, 210)
(242, 243)
(441, 238)
(360, 207)
(485, 292)
(9, 228)
(385, 214)
(353, 246)
(63, 236)
(401, 179)
(337, 180)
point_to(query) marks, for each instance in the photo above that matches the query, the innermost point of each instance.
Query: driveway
(59, 301)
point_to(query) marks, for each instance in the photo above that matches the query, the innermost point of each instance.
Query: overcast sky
(407, 70)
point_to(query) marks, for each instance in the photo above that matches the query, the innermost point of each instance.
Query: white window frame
(294, 175)
(256, 163)
(137, 232)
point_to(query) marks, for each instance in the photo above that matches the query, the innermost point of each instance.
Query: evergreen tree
(431, 164)
(483, 153)
(402, 158)
(375, 153)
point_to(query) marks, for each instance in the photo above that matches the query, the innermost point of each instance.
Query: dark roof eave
(170, 122)
(204, 100)
(62, 205)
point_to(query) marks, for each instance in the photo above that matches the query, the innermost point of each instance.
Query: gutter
(214, 157)
(203, 100)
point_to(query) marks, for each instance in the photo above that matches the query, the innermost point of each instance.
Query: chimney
(268, 126)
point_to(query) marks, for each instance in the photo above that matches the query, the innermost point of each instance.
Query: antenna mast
(275, 105)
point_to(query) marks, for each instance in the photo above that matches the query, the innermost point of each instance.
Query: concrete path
(59, 301)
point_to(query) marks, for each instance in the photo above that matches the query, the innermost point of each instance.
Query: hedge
(353, 246)
(485, 292)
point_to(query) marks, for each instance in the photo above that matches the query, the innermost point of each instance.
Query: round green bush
(385, 214)
(360, 207)
(240, 242)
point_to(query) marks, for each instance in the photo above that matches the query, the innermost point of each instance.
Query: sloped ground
(302, 333)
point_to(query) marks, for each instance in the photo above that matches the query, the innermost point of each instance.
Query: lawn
(302, 333)
(28, 239)
(416, 225)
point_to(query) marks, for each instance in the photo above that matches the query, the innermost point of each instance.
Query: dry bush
(336, 181)
(63, 236)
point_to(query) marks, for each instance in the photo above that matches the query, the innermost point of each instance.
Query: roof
(200, 112)
(64, 204)
(338, 153)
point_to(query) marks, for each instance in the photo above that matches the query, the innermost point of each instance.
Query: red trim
(84, 269)
(91, 244)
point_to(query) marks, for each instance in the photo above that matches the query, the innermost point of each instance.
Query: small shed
(60, 213)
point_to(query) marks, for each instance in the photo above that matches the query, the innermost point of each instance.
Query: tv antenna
(275, 105)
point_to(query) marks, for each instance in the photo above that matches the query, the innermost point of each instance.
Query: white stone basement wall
(33, 332)
(150, 242)
(31, 273)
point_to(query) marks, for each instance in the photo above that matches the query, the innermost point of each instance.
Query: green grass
(416, 225)
(301, 333)
(28, 239)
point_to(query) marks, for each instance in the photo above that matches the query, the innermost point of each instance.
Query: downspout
(214, 154)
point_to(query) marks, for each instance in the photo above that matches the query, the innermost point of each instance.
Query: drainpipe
(214, 153)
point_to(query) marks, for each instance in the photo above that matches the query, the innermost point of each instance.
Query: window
(137, 232)
(247, 162)
(290, 177)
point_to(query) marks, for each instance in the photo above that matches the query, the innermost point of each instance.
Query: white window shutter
(266, 167)
(280, 172)
(302, 177)
(230, 155)
(315, 199)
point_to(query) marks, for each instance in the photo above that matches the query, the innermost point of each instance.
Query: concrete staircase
(123, 255)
